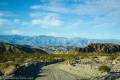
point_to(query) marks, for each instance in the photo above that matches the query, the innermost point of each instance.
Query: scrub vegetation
(73, 58)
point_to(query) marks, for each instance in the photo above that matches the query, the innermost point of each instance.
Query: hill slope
(10, 48)
(100, 48)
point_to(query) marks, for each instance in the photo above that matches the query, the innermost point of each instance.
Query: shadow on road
(113, 76)
(31, 72)
(28, 73)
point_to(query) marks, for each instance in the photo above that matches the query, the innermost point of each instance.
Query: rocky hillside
(10, 48)
(100, 48)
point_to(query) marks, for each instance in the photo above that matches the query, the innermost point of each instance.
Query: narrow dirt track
(51, 72)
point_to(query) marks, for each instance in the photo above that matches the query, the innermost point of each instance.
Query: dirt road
(61, 71)
(52, 72)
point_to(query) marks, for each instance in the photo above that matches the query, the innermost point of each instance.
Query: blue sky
(63, 18)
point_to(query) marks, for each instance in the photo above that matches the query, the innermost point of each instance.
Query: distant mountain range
(45, 41)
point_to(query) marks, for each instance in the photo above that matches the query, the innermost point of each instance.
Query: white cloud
(20, 32)
(47, 21)
(15, 32)
(25, 23)
(89, 7)
(53, 8)
(105, 12)
(6, 18)
(3, 22)
(16, 21)
(7, 14)
(2, 14)
(8, 22)
(38, 14)
(97, 8)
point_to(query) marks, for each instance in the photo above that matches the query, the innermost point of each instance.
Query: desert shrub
(8, 68)
(7, 64)
(111, 57)
(104, 68)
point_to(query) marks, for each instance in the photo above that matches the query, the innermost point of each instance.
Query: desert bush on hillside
(111, 57)
(8, 68)
(104, 68)
(7, 64)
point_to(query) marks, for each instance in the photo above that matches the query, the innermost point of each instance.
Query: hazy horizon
(58, 36)
(92, 19)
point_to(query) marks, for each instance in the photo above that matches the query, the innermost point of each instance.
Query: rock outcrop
(100, 48)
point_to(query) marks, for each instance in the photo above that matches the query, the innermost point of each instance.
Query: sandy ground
(53, 72)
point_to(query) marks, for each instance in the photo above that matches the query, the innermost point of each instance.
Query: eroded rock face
(100, 48)
(10, 48)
